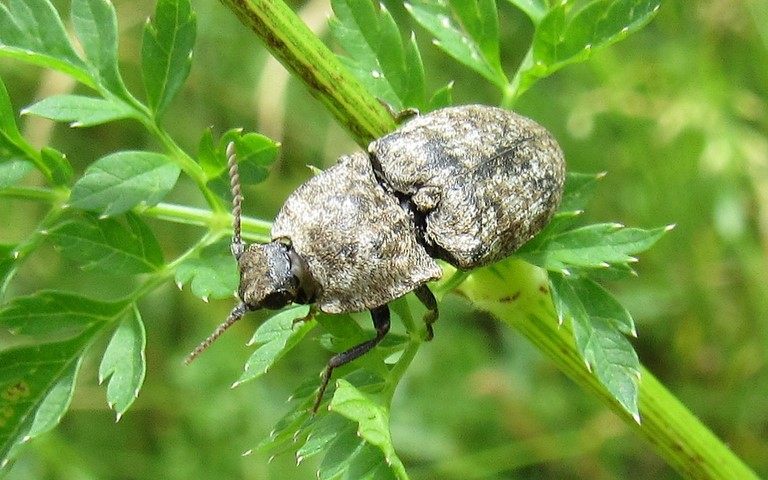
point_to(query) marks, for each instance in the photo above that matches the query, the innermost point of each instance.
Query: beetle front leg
(424, 294)
(309, 316)
(380, 317)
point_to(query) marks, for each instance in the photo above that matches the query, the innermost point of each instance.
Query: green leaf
(120, 181)
(442, 98)
(166, 52)
(51, 163)
(339, 454)
(212, 274)
(276, 337)
(55, 314)
(125, 363)
(255, 156)
(323, 432)
(594, 246)
(294, 429)
(36, 388)
(12, 144)
(579, 188)
(56, 403)
(600, 303)
(7, 262)
(597, 318)
(212, 161)
(467, 30)
(13, 171)
(535, 9)
(390, 70)
(329, 433)
(32, 31)
(372, 419)
(79, 110)
(95, 23)
(55, 166)
(569, 34)
(107, 244)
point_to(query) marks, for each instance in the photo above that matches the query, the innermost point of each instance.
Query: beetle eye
(276, 300)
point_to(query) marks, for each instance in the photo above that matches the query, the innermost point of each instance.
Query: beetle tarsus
(400, 116)
(309, 316)
(425, 296)
(381, 322)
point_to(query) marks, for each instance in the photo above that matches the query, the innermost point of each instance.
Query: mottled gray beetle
(468, 185)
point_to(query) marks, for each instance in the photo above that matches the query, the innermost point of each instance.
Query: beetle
(467, 184)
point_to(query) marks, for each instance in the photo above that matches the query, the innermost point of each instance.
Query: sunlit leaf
(54, 314)
(255, 156)
(166, 53)
(55, 166)
(324, 431)
(95, 23)
(12, 144)
(124, 363)
(212, 274)
(535, 9)
(390, 69)
(597, 321)
(7, 261)
(372, 419)
(14, 147)
(79, 110)
(32, 31)
(570, 33)
(276, 337)
(442, 98)
(467, 30)
(13, 171)
(579, 188)
(36, 387)
(593, 246)
(108, 245)
(123, 180)
(340, 452)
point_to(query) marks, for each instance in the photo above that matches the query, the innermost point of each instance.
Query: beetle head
(272, 275)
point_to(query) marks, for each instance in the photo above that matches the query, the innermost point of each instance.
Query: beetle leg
(424, 294)
(400, 116)
(380, 317)
(309, 316)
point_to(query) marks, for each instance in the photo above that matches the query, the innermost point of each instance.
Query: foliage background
(677, 115)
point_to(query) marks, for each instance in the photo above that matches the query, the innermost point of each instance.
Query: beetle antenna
(237, 198)
(235, 315)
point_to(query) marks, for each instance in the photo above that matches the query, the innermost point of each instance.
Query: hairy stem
(301, 52)
(516, 293)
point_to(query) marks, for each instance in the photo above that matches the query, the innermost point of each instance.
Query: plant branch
(517, 293)
(290, 40)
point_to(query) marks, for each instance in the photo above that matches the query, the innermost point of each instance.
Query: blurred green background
(676, 114)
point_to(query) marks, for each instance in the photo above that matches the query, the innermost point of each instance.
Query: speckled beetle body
(468, 185)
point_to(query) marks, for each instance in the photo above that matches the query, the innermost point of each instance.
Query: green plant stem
(517, 293)
(519, 297)
(253, 229)
(301, 52)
